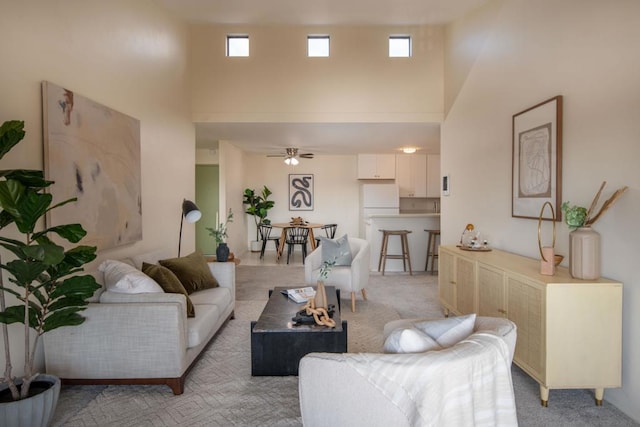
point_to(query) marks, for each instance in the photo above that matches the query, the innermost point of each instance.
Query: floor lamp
(191, 213)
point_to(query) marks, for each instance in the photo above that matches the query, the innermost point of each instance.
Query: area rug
(220, 390)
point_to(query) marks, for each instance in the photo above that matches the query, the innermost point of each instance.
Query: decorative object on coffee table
(277, 345)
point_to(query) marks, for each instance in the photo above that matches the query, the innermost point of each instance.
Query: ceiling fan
(291, 156)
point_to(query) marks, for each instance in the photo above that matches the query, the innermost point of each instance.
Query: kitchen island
(414, 222)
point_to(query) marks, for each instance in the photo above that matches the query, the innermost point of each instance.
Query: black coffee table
(277, 345)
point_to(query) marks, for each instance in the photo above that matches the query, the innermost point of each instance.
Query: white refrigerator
(378, 199)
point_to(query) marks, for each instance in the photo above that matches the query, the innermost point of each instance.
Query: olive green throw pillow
(169, 283)
(192, 271)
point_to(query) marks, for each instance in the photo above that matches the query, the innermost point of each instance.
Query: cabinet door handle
(501, 311)
(452, 282)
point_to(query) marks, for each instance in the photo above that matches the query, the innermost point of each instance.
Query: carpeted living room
(463, 93)
(220, 390)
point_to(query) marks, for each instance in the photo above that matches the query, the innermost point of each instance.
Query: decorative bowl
(557, 259)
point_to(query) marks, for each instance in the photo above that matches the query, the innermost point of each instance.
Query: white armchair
(351, 278)
(466, 384)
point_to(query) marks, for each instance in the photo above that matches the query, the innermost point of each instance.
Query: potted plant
(258, 205)
(584, 242)
(43, 281)
(219, 234)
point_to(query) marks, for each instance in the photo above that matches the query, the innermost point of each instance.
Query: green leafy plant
(574, 216)
(325, 269)
(219, 233)
(578, 216)
(43, 276)
(258, 205)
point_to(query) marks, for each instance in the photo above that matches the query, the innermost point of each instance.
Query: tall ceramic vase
(584, 253)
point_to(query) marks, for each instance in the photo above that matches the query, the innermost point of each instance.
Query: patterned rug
(220, 390)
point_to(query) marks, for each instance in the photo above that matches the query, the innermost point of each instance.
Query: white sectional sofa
(142, 338)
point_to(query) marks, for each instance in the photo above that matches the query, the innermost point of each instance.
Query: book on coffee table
(300, 295)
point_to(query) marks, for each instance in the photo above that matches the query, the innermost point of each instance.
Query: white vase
(584, 253)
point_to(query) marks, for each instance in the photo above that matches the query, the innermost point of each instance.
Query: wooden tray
(464, 248)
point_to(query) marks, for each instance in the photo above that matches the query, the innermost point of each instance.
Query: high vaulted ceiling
(322, 138)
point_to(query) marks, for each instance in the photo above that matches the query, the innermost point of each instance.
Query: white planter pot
(256, 245)
(34, 411)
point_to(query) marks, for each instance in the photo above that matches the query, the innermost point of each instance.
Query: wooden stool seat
(431, 248)
(382, 262)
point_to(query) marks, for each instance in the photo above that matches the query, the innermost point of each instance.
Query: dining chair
(329, 230)
(297, 236)
(265, 236)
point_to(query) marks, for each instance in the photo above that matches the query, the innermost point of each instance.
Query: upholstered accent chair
(348, 278)
(468, 383)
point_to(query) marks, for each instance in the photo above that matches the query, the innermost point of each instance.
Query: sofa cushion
(124, 278)
(220, 297)
(337, 250)
(169, 283)
(409, 340)
(192, 271)
(449, 331)
(200, 327)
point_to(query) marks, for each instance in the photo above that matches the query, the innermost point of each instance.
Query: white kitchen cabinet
(569, 330)
(433, 175)
(376, 166)
(411, 174)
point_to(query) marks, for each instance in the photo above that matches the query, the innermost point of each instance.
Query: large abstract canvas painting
(93, 153)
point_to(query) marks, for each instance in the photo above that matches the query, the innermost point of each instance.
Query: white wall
(336, 189)
(279, 83)
(130, 56)
(585, 50)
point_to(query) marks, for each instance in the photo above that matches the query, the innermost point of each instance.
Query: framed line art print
(537, 160)
(300, 192)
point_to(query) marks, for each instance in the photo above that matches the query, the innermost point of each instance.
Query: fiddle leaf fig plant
(43, 276)
(258, 205)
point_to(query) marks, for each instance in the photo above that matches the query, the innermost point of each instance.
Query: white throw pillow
(449, 331)
(409, 340)
(124, 278)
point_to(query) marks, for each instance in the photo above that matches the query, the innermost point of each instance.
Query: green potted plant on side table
(219, 234)
(43, 281)
(258, 206)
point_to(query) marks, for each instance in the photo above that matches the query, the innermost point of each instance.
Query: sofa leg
(353, 302)
(364, 294)
(176, 385)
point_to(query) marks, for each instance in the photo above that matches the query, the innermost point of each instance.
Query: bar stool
(405, 249)
(431, 248)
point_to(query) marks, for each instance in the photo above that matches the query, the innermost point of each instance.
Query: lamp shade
(190, 211)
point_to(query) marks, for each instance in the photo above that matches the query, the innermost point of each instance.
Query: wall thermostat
(445, 185)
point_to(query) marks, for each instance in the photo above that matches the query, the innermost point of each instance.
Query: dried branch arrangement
(578, 216)
(606, 205)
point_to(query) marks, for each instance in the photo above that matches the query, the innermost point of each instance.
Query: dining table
(283, 235)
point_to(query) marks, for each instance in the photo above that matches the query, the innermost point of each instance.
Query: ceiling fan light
(409, 150)
(287, 160)
(294, 161)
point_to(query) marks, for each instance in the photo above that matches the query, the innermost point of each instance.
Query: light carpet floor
(220, 390)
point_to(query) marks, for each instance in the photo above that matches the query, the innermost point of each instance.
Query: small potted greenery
(219, 234)
(258, 206)
(44, 284)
